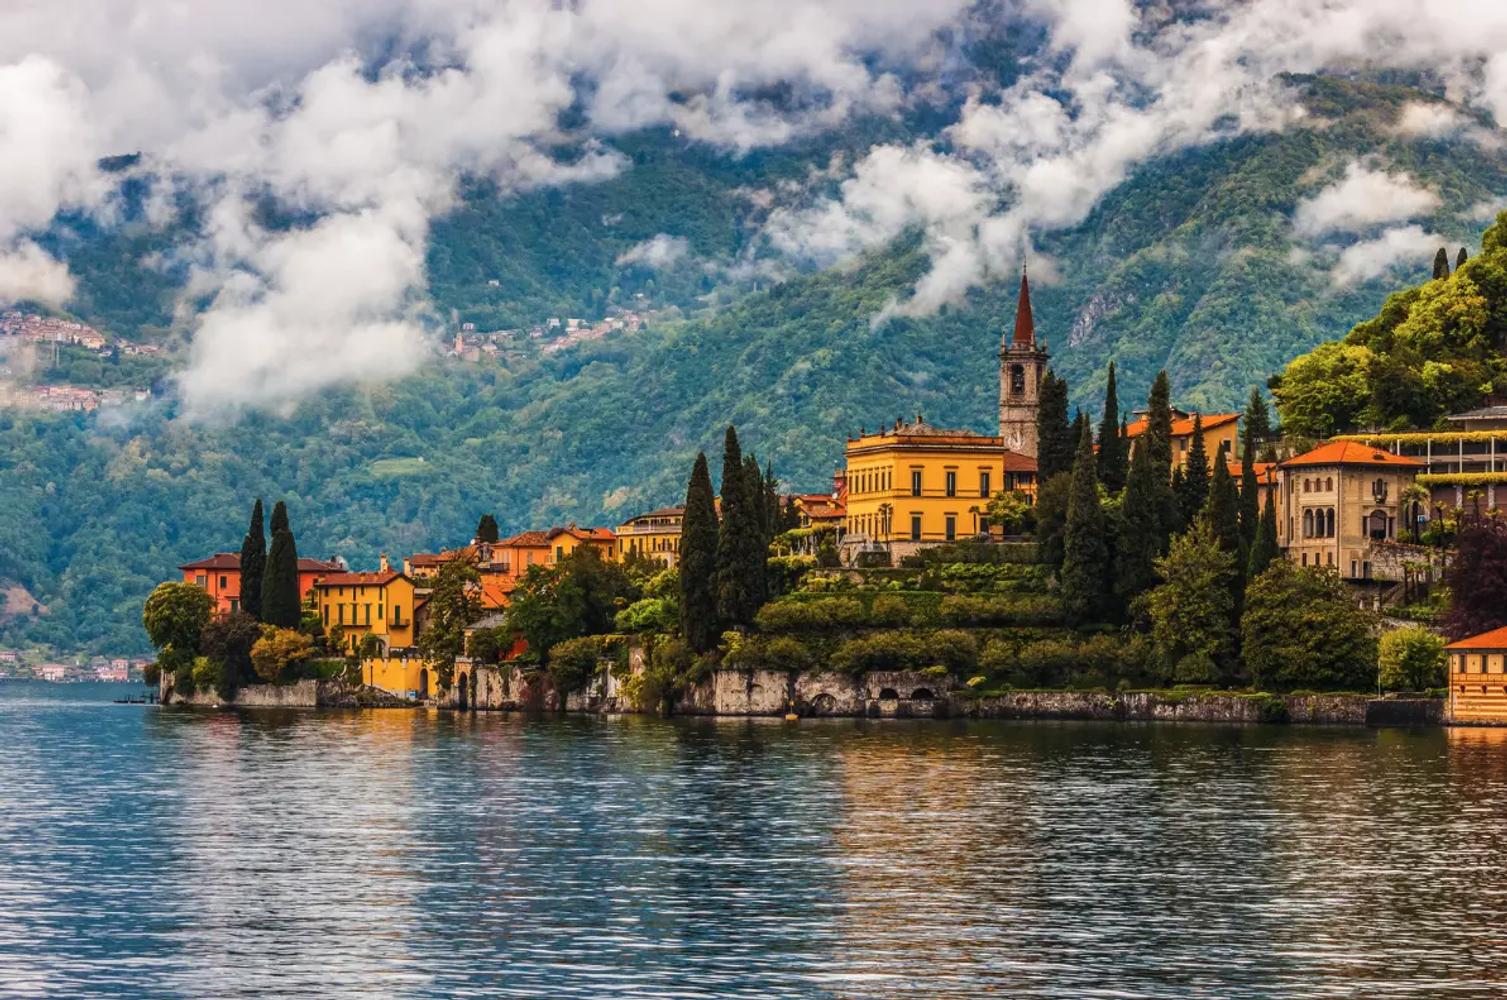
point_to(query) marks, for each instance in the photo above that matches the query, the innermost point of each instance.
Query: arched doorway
(921, 694)
(424, 683)
(889, 694)
(461, 694)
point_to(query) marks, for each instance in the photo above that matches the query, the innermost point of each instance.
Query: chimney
(382, 563)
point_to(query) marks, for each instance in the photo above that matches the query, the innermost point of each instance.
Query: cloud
(29, 274)
(1420, 119)
(1362, 199)
(1375, 257)
(657, 252)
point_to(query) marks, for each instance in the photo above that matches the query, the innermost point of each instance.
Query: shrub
(785, 573)
(890, 610)
(956, 650)
(826, 583)
(788, 653)
(210, 674)
(487, 645)
(1411, 659)
(882, 651)
(1270, 708)
(980, 610)
(810, 616)
(1301, 629)
(278, 651)
(574, 662)
(652, 614)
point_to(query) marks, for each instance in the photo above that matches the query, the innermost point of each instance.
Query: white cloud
(1420, 119)
(1362, 199)
(27, 273)
(657, 252)
(1375, 257)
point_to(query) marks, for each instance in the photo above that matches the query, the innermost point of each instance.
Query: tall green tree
(281, 605)
(1264, 547)
(1191, 610)
(1253, 435)
(698, 561)
(1054, 441)
(1112, 454)
(1085, 575)
(740, 549)
(1195, 482)
(1140, 539)
(253, 563)
(1159, 425)
(758, 507)
(1223, 514)
(1441, 263)
(454, 603)
(486, 529)
(1302, 629)
(1461, 258)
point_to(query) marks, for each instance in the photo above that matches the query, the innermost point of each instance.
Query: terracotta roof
(527, 539)
(584, 534)
(220, 560)
(1495, 639)
(378, 579)
(825, 510)
(1016, 462)
(1350, 453)
(1025, 323)
(232, 560)
(1182, 427)
(662, 512)
(1265, 471)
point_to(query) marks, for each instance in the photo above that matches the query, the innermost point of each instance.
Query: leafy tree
(1055, 444)
(1302, 629)
(1325, 391)
(1051, 517)
(698, 562)
(740, 550)
(1411, 659)
(1195, 482)
(1085, 547)
(488, 645)
(279, 650)
(1112, 447)
(1441, 264)
(454, 603)
(1477, 578)
(253, 563)
(486, 529)
(1009, 511)
(281, 603)
(1191, 609)
(1264, 547)
(228, 642)
(1140, 538)
(580, 595)
(574, 662)
(174, 617)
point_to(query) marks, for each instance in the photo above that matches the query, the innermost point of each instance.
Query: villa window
(984, 485)
(915, 527)
(1329, 520)
(952, 484)
(952, 527)
(201, 581)
(223, 583)
(915, 482)
(1308, 524)
(1017, 380)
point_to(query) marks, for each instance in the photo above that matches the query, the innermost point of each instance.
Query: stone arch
(889, 694)
(462, 695)
(922, 694)
(823, 704)
(424, 682)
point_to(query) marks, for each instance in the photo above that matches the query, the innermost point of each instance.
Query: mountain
(1192, 263)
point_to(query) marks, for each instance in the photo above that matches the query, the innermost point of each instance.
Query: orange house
(220, 575)
(1219, 434)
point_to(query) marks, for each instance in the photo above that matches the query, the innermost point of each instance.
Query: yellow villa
(915, 484)
(1478, 678)
(655, 535)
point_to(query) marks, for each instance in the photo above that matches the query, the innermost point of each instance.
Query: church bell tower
(1022, 365)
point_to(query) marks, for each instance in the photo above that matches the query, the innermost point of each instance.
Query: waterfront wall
(297, 694)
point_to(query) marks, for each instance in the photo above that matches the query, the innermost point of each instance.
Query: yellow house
(914, 484)
(1478, 678)
(381, 604)
(655, 535)
(1219, 433)
(564, 541)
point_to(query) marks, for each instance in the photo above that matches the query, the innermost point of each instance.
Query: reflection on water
(159, 852)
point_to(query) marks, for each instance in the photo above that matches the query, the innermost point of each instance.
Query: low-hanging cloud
(1361, 200)
(1374, 257)
(659, 251)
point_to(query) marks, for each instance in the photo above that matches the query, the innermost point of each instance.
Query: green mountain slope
(1189, 264)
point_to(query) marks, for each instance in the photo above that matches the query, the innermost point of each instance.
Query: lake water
(176, 853)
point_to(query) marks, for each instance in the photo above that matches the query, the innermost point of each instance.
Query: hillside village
(1372, 512)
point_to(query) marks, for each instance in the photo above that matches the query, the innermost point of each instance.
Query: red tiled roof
(818, 511)
(232, 560)
(1495, 639)
(1265, 471)
(220, 560)
(1015, 462)
(1350, 453)
(527, 539)
(378, 579)
(1182, 427)
(584, 534)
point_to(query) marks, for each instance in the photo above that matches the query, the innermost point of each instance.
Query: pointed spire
(1025, 326)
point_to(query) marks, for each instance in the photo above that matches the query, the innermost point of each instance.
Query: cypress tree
(740, 555)
(1140, 539)
(1084, 576)
(1461, 258)
(280, 600)
(1080, 424)
(1264, 548)
(1250, 500)
(773, 514)
(486, 529)
(253, 563)
(758, 507)
(1441, 263)
(1223, 515)
(1159, 425)
(1175, 521)
(1054, 442)
(1195, 482)
(1112, 457)
(698, 561)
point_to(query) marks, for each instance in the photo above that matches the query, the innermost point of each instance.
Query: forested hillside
(1191, 264)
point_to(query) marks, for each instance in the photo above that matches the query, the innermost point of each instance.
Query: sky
(364, 115)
